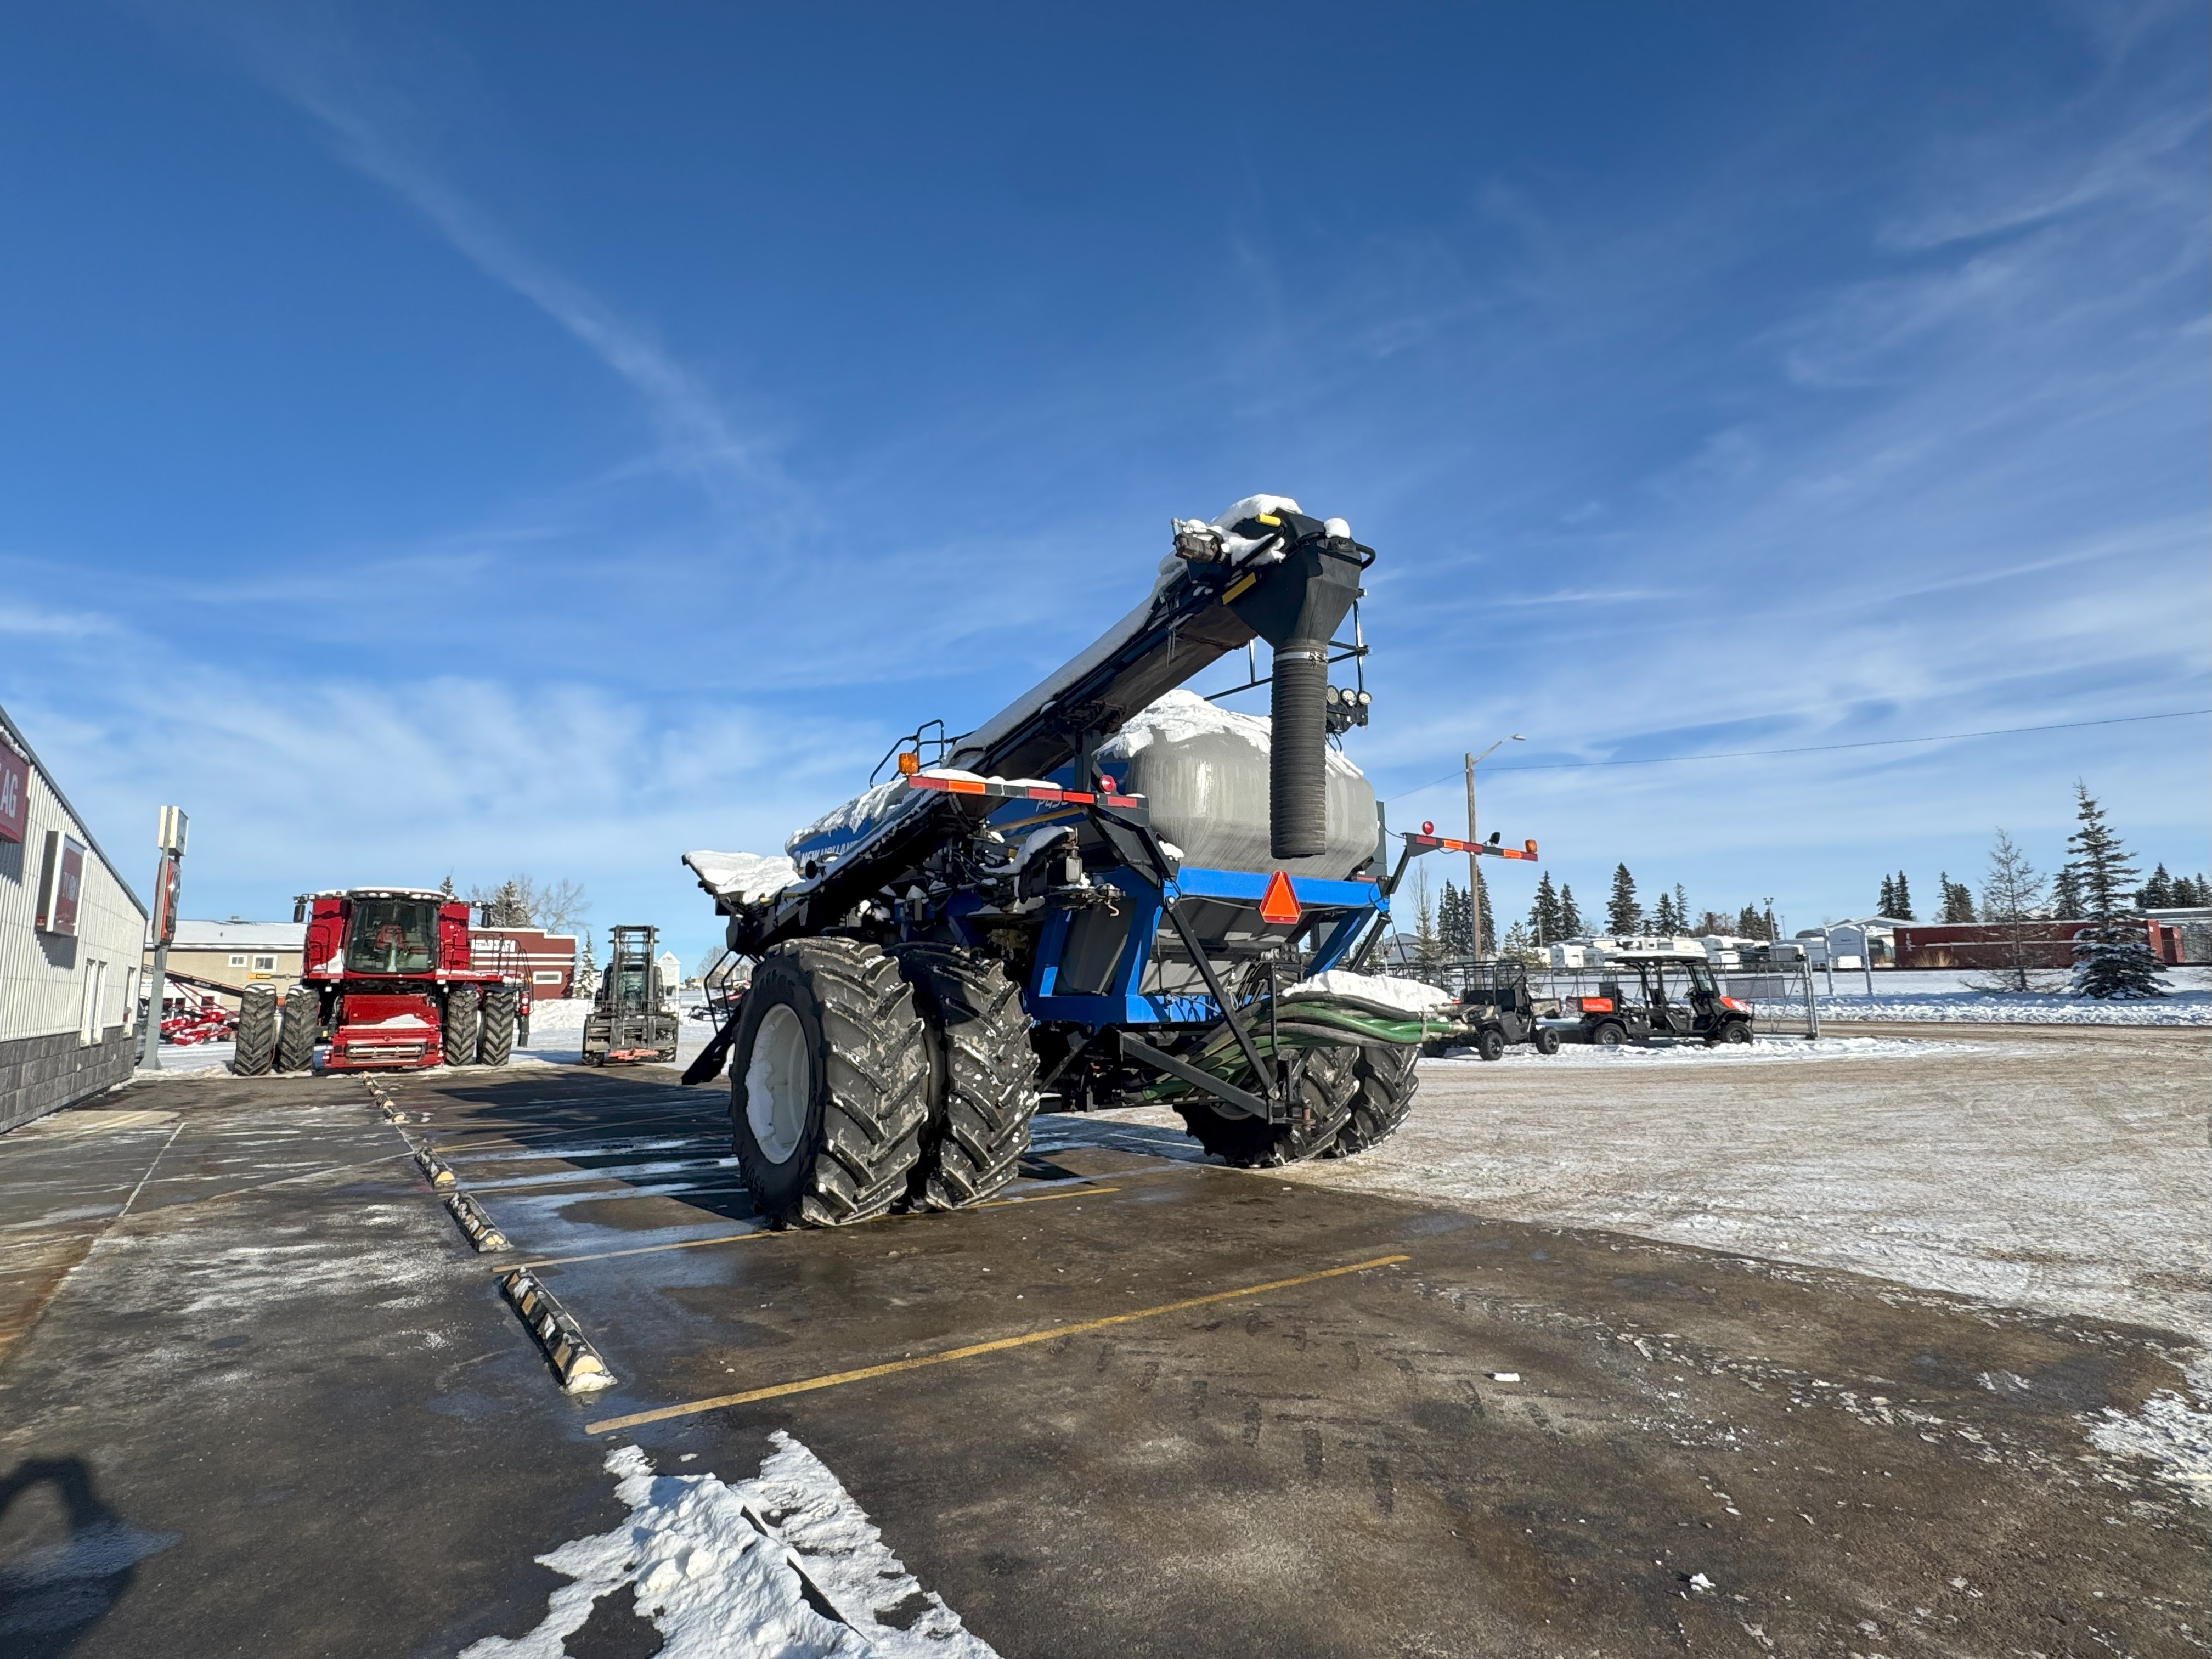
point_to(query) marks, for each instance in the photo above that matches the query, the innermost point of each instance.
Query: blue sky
(553, 437)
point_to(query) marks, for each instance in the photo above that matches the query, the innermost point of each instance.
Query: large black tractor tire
(983, 1075)
(495, 1041)
(459, 1035)
(1326, 1089)
(1387, 1080)
(829, 1085)
(257, 1031)
(301, 1030)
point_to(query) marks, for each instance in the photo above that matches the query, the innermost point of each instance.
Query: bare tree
(2012, 891)
(521, 902)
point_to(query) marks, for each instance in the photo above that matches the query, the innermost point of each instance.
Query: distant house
(671, 969)
(71, 929)
(236, 954)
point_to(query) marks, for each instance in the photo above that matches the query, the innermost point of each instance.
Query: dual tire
(257, 1031)
(864, 1079)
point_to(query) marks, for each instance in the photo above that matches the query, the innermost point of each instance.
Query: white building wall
(44, 977)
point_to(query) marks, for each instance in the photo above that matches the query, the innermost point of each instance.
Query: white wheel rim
(779, 1084)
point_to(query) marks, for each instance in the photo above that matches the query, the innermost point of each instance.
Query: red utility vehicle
(388, 980)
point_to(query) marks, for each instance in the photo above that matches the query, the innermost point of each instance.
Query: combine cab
(631, 1018)
(388, 982)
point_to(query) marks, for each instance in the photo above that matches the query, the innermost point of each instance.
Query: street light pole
(1473, 859)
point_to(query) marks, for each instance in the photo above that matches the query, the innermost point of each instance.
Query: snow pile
(1179, 716)
(1981, 1008)
(1397, 999)
(746, 878)
(739, 1571)
(1756, 1052)
(559, 1014)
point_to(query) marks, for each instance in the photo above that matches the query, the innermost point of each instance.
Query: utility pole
(1473, 859)
(169, 838)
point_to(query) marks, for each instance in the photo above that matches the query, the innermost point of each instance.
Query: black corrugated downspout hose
(1297, 777)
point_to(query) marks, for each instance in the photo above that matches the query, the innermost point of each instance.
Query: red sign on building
(14, 793)
(61, 883)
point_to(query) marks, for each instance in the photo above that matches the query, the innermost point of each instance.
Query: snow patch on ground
(783, 1566)
(559, 1014)
(2170, 1432)
(1756, 1052)
(1976, 1008)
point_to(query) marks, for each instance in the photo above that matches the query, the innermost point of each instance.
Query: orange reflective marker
(1278, 905)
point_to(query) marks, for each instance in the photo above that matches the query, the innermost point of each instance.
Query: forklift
(631, 1018)
(1654, 996)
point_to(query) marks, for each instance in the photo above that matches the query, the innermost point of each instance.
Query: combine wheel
(1383, 1100)
(495, 1043)
(1327, 1089)
(458, 1037)
(983, 1075)
(257, 1030)
(302, 1028)
(830, 1085)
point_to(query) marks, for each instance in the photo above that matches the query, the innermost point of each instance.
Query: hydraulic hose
(1297, 775)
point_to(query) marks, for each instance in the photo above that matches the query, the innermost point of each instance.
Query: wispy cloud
(312, 56)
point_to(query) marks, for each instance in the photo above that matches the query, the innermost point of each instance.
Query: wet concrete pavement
(277, 1406)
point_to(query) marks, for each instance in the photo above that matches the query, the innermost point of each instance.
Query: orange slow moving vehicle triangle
(1278, 905)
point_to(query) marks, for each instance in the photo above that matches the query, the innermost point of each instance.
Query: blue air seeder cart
(1110, 893)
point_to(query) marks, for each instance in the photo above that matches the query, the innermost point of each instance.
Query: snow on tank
(1203, 773)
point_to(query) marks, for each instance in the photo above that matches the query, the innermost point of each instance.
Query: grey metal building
(70, 934)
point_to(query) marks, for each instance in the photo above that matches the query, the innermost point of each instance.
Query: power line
(1810, 749)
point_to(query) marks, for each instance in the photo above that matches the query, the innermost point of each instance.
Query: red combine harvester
(389, 980)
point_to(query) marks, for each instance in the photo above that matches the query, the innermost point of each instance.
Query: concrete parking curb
(574, 1359)
(475, 1223)
(434, 1168)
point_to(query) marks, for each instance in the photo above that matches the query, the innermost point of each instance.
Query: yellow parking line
(808, 1384)
(739, 1238)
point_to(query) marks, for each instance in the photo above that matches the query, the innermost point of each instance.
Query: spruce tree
(2157, 892)
(1958, 898)
(1903, 894)
(2066, 903)
(1748, 924)
(2113, 960)
(1681, 908)
(1623, 914)
(1664, 919)
(1486, 928)
(1570, 919)
(1544, 913)
(1455, 935)
(1887, 905)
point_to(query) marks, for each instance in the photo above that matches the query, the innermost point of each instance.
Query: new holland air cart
(1110, 892)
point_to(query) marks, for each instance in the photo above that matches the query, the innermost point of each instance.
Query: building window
(96, 993)
(265, 964)
(546, 976)
(237, 961)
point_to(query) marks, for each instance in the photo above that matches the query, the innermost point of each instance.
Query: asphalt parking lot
(259, 1394)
